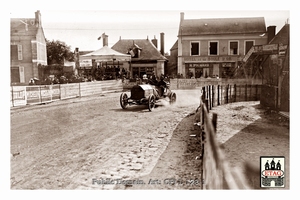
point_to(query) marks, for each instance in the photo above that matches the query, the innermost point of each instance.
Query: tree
(57, 51)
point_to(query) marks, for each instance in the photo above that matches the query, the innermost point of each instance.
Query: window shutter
(22, 77)
(20, 53)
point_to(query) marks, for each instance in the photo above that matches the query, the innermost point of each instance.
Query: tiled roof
(222, 26)
(18, 26)
(148, 50)
(282, 36)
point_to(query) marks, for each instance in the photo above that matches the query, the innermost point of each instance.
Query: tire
(151, 102)
(123, 100)
(172, 98)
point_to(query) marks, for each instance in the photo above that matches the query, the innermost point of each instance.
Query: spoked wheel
(151, 102)
(123, 100)
(172, 98)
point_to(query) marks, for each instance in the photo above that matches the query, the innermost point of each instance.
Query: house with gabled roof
(214, 46)
(27, 48)
(145, 56)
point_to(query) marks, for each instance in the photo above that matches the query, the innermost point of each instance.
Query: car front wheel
(123, 100)
(172, 98)
(151, 102)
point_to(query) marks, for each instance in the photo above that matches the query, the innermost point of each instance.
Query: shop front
(204, 67)
(140, 71)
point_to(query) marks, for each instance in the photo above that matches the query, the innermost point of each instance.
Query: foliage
(58, 51)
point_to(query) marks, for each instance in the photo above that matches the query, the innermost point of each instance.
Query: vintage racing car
(146, 94)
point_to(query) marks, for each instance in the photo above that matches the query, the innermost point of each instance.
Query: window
(233, 48)
(195, 48)
(17, 74)
(16, 52)
(213, 48)
(14, 75)
(248, 45)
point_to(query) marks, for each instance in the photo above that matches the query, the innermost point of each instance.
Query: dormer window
(135, 51)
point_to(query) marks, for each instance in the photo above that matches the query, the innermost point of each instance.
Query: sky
(81, 28)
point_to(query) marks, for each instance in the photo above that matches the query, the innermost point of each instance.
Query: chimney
(181, 16)
(154, 41)
(162, 43)
(105, 40)
(271, 30)
(76, 56)
(38, 21)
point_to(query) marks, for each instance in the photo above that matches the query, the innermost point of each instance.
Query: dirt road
(86, 143)
(91, 143)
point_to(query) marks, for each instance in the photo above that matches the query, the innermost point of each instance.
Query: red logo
(274, 173)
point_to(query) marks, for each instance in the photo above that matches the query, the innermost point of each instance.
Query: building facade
(145, 56)
(27, 47)
(214, 47)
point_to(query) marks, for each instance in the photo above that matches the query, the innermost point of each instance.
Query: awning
(106, 54)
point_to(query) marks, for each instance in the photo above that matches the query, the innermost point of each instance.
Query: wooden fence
(215, 170)
(192, 84)
(223, 94)
(39, 94)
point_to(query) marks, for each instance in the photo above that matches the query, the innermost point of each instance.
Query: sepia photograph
(149, 99)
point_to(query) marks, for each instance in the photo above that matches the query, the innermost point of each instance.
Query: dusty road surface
(245, 132)
(90, 142)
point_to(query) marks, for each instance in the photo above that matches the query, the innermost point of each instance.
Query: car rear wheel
(123, 100)
(151, 102)
(172, 98)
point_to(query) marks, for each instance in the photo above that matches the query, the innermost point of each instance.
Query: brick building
(27, 48)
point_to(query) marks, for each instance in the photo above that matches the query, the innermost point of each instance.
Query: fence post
(234, 88)
(213, 95)
(227, 93)
(209, 97)
(79, 89)
(206, 104)
(218, 100)
(12, 96)
(41, 101)
(250, 98)
(51, 92)
(246, 92)
(256, 92)
(204, 93)
(221, 95)
(202, 146)
(59, 91)
(214, 121)
(230, 97)
(202, 108)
